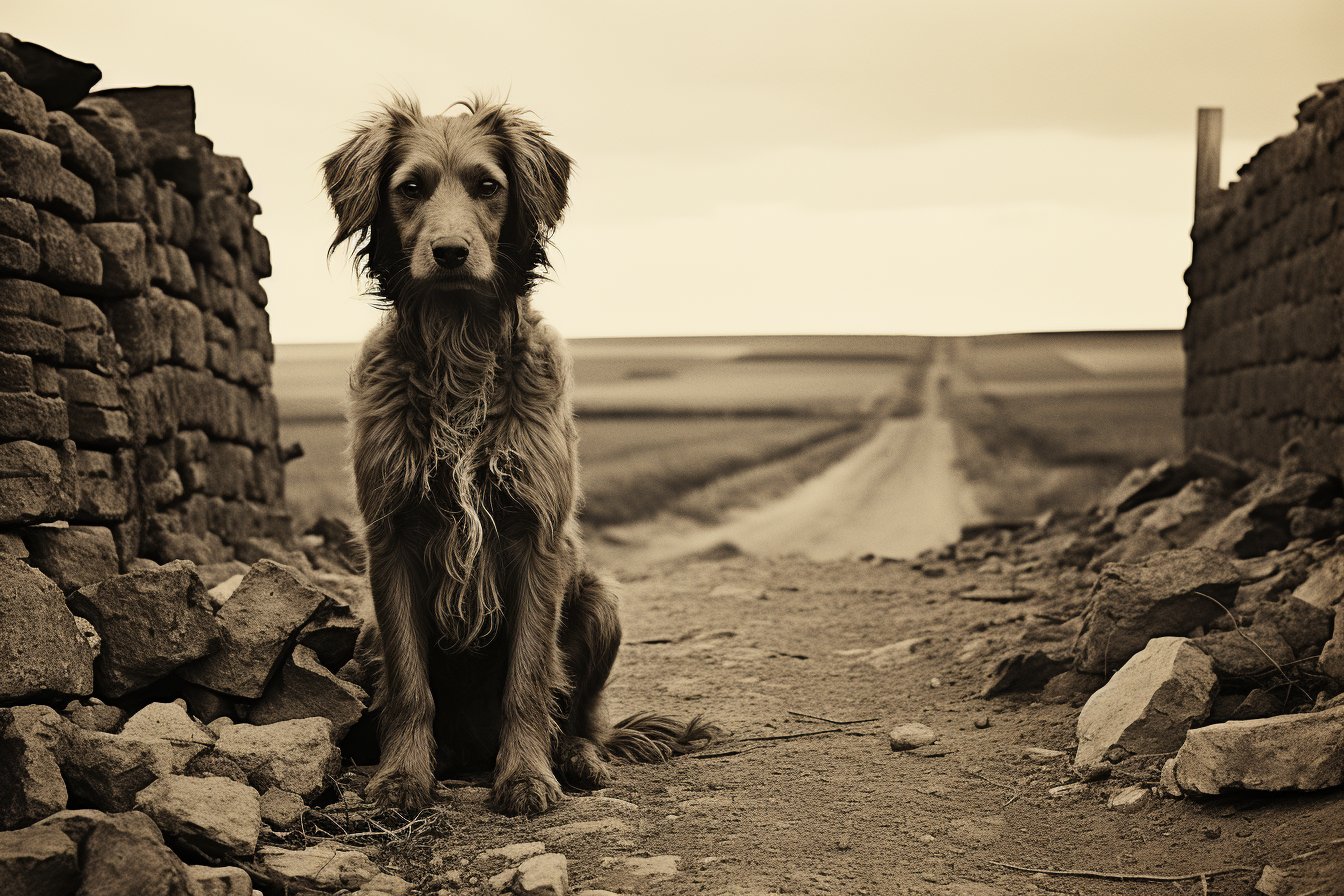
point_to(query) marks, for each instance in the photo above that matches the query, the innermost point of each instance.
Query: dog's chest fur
(489, 431)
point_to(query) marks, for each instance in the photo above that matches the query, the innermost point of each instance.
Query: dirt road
(805, 808)
(896, 495)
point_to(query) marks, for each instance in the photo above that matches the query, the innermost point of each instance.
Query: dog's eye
(487, 187)
(410, 189)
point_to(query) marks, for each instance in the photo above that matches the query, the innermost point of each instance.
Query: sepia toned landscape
(1031, 584)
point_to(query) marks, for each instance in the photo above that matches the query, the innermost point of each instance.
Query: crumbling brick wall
(135, 351)
(1265, 326)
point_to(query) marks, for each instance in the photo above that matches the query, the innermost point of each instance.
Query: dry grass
(635, 467)
(1027, 454)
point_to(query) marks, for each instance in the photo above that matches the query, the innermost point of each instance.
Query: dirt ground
(760, 646)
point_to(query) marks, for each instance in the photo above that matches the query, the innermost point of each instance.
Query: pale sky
(773, 167)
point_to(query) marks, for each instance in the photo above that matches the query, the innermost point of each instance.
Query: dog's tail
(650, 737)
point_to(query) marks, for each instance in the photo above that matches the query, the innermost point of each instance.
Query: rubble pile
(176, 732)
(1197, 616)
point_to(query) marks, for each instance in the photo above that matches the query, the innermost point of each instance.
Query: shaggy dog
(493, 638)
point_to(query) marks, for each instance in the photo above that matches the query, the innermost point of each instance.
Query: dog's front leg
(525, 783)
(405, 778)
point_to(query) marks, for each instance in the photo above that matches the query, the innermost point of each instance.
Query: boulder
(1246, 652)
(258, 620)
(151, 620)
(326, 866)
(38, 861)
(1293, 752)
(74, 823)
(94, 715)
(21, 109)
(1148, 705)
(295, 755)
(1324, 587)
(41, 649)
(124, 855)
(214, 815)
(1170, 593)
(31, 786)
(73, 556)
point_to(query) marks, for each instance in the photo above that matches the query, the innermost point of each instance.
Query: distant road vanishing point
(895, 496)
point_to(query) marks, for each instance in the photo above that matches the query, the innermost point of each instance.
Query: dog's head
(448, 204)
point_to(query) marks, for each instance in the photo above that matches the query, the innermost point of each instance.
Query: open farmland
(659, 418)
(1049, 420)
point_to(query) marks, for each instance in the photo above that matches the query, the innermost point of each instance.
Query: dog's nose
(450, 255)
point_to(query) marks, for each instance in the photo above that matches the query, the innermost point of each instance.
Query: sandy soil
(752, 643)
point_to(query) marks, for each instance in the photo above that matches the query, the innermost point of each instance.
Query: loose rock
(1148, 705)
(268, 607)
(543, 875)
(226, 880)
(1170, 593)
(124, 855)
(305, 689)
(31, 786)
(214, 815)
(321, 867)
(1246, 652)
(151, 621)
(41, 648)
(40, 861)
(281, 809)
(295, 755)
(1294, 752)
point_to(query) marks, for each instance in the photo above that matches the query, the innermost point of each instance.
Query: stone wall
(1265, 326)
(136, 415)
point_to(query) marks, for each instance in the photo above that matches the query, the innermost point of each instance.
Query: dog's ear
(538, 172)
(354, 173)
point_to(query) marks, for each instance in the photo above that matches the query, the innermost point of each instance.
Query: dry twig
(1124, 875)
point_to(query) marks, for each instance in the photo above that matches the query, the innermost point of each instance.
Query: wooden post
(1208, 158)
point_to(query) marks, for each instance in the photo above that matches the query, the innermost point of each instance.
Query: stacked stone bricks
(1265, 327)
(135, 401)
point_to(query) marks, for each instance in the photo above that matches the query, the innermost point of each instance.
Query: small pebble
(911, 736)
(982, 722)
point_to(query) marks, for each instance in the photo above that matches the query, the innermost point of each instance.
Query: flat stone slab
(1293, 752)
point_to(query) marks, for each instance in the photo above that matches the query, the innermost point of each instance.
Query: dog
(492, 639)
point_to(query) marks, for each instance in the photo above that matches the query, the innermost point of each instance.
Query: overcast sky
(773, 167)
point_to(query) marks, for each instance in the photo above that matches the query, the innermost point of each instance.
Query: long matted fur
(493, 639)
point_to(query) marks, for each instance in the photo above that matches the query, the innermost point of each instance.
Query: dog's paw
(525, 794)
(395, 789)
(582, 766)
